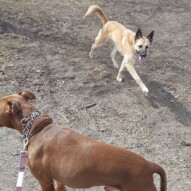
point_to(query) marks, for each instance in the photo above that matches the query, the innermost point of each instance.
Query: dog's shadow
(159, 96)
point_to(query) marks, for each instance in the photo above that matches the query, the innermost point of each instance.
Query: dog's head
(14, 107)
(142, 44)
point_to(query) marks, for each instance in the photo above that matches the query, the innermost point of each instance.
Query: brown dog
(67, 158)
(129, 44)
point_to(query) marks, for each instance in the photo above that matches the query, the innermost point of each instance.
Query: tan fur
(100, 13)
(59, 156)
(125, 43)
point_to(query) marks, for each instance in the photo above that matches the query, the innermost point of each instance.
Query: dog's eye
(140, 46)
(146, 47)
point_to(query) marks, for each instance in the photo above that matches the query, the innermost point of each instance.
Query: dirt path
(44, 48)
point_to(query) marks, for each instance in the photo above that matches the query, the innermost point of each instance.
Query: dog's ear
(138, 34)
(150, 36)
(27, 95)
(12, 108)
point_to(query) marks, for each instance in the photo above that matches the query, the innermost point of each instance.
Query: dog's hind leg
(99, 41)
(111, 188)
(152, 188)
(113, 52)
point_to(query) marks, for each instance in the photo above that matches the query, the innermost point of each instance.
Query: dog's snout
(143, 54)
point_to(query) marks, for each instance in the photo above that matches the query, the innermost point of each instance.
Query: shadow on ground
(158, 95)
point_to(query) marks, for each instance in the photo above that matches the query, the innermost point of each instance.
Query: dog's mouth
(141, 57)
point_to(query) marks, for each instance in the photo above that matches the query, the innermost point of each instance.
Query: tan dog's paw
(115, 65)
(119, 79)
(145, 90)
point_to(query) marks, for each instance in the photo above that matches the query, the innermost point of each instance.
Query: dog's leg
(46, 186)
(59, 186)
(152, 188)
(99, 41)
(46, 182)
(113, 52)
(136, 77)
(111, 188)
(120, 73)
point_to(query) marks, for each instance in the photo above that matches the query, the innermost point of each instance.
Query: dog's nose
(143, 55)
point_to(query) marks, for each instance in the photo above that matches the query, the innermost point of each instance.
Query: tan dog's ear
(12, 108)
(150, 36)
(27, 95)
(138, 34)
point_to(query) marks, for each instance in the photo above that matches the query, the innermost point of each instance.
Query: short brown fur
(59, 156)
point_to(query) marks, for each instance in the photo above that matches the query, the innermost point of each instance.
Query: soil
(44, 48)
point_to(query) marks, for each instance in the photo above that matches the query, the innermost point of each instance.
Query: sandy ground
(44, 48)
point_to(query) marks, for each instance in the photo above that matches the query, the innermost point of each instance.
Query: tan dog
(67, 158)
(130, 44)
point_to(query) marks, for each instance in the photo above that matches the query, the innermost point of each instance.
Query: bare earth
(44, 48)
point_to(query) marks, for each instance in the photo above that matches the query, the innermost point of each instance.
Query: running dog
(128, 43)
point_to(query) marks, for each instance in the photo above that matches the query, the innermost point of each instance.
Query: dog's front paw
(119, 79)
(145, 90)
(115, 65)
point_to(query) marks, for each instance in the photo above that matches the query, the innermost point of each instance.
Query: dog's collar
(31, 126)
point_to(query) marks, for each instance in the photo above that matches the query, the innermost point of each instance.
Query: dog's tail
(159, 170)
(99, 11)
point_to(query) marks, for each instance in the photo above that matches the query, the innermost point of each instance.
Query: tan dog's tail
(159, 170)
(99, 11)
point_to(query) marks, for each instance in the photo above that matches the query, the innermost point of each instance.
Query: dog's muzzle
(141, 56)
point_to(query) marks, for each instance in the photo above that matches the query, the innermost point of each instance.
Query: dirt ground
(44, 48)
